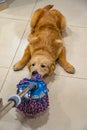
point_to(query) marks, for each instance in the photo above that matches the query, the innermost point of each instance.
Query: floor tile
(76, 47)
(19, 9)
(12, 80)
(23, 45)
(67, 109)
(68, 99)
(11, 32)
(74, 11)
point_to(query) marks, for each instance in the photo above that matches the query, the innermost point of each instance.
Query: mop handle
(11, 103)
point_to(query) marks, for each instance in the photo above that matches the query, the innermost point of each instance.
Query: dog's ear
(52, 67)
(29, 66)
(60, 45)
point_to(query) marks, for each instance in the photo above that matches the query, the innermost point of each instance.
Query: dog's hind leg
(34, 19)
(37, 15)
(61, 21)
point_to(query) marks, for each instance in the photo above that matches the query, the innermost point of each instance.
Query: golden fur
(45, 43)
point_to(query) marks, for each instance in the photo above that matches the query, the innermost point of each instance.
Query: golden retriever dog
(45, 43)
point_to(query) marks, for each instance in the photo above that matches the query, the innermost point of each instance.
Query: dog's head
(41, 64)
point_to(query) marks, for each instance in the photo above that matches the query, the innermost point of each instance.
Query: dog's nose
(34, 72)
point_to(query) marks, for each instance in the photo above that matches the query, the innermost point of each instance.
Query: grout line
(3, 17)
(33, 8)
(18, 46)
(73, 77)
(77, 26)
(4, 80)
(24, 20)
(4, 67)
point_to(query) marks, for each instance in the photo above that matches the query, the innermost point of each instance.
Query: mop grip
(16, 99)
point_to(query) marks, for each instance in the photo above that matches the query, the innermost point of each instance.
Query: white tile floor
(68, 93)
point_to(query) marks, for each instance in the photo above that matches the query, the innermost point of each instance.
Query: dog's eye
(33, 64)
(43, 66)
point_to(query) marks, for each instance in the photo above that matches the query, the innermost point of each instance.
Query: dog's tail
(48, 7)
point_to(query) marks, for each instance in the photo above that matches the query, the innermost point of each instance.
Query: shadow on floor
(33, 122)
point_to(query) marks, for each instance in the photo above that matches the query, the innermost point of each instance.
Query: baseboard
(3, 5)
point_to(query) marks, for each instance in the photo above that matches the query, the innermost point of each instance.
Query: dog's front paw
(18, 66)
(69, 68)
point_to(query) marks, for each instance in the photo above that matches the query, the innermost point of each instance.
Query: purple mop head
(35, 100)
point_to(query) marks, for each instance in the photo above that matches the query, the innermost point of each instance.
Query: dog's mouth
(35, 73)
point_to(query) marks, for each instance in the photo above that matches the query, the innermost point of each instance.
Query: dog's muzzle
(34, 72)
